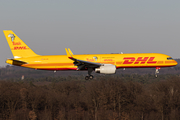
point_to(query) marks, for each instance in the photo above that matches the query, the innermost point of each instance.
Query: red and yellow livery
(100, 63)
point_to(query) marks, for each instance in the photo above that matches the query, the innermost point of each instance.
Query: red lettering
(90, 59)
(128, 60)
(20, 48)
(108, 60)
(16, 43)
(15, 48)
(44, 59)
(141, 60)
(150, 61)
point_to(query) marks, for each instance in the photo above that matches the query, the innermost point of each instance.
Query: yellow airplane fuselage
(62, 62)
(100, 63)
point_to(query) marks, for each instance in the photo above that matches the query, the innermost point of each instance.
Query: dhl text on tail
(100, 63)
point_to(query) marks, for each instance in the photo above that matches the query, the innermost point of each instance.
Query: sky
(92, 26)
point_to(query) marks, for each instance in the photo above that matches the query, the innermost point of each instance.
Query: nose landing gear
(157, 71)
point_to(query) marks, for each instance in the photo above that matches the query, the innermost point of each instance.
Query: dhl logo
(141, 60)
(20, 48)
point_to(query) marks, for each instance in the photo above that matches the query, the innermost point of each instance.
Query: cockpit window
(169, 58)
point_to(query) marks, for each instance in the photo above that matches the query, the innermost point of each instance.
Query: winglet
(70, 51)
(67, 52)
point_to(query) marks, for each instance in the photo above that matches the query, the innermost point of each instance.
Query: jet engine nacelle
(106, 69)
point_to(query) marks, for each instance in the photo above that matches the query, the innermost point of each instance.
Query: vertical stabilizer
(18, 48)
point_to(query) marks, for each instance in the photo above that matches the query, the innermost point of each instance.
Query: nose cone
(175, 63)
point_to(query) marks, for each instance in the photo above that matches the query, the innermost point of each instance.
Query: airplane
(100, 63)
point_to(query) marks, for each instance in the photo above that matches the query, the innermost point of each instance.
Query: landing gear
(157, 71)
(89, 77)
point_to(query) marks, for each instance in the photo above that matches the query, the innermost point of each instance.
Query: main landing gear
(157, 71)
(89, 76)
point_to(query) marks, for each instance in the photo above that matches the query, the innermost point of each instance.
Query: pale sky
(92, 26)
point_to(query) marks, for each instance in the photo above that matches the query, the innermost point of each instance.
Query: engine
(106, 69)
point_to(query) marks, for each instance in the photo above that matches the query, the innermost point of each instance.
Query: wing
(81, 63)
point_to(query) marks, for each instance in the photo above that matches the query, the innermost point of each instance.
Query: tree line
(105, 98)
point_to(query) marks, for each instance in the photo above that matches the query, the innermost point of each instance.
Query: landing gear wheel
(91, 77)
(87, 78)
(157, 71)
(156, 75)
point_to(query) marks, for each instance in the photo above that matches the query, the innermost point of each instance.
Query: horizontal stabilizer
(15, 62)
